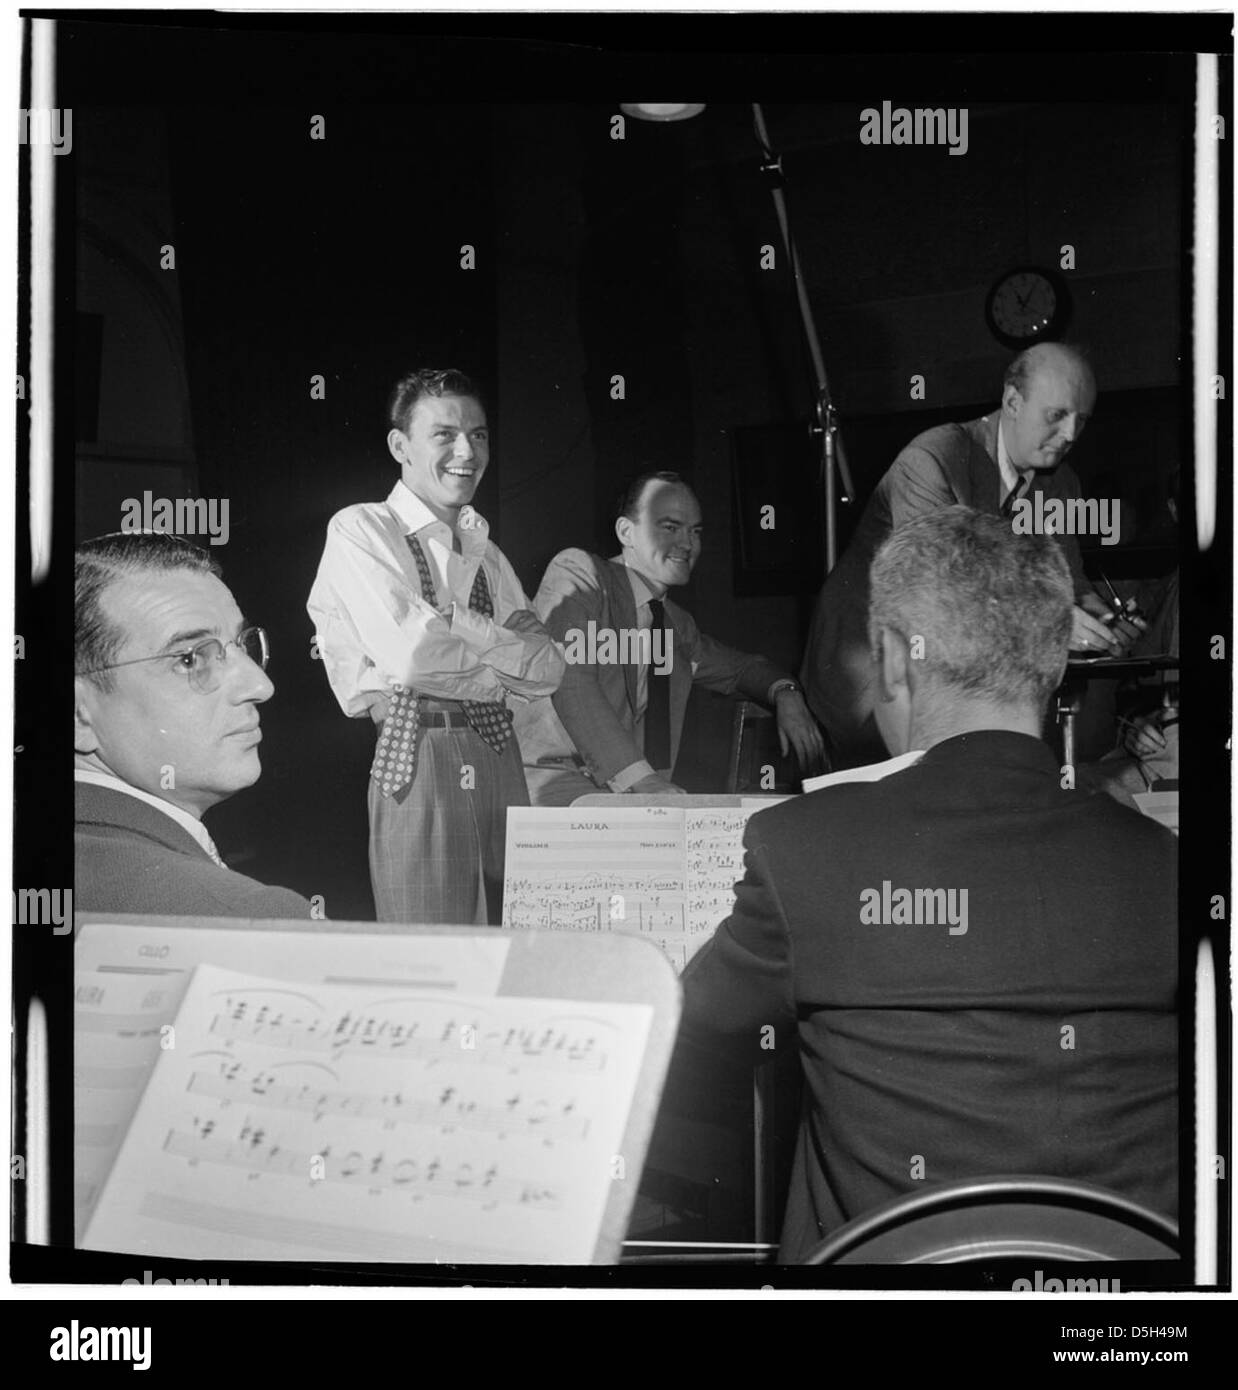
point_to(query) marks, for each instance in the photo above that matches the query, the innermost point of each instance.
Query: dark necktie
(395, 757)
(1021, 489)
(658, 705)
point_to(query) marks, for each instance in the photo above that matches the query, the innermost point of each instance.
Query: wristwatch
(785, 684)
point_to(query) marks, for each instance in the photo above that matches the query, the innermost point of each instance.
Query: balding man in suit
(990, 464)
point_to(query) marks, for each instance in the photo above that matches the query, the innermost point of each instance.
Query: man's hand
(1093, 635)
(798, 729)
(379, 705)
(1143, 736)
(655, 786)
(524, 620)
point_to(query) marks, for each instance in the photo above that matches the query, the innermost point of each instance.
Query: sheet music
(661, 872)
(130, 981)
(309, 1121)
(117, 1026)
(714, 846)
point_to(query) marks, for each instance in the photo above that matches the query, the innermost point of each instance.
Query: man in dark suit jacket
(609, 726)
(980, 962)
(989, 464)
(168, 682)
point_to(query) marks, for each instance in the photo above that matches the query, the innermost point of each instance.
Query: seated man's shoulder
(842, 809)
(120, 869)
(1134, 832)
(573, 571)
(578, 562)
(938, 444)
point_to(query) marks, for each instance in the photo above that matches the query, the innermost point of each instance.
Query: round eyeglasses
(202, 665)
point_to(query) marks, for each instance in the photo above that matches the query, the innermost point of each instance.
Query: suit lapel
(984, 476)
(623, 615)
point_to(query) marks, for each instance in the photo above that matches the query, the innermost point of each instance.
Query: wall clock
(1027, 305)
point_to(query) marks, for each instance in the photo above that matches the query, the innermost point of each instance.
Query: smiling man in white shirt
(422, 625)
(168, 680)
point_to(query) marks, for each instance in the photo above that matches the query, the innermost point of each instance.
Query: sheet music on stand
(296, 1120)
(664, 873)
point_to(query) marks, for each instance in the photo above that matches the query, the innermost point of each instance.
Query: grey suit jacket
(130, 857)
(591, 720)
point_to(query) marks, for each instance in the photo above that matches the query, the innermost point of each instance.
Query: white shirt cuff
(628, 777)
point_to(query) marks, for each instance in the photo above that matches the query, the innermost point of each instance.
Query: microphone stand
(825, 426)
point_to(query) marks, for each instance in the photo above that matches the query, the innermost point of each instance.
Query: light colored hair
(994, 609)
(1022, 369)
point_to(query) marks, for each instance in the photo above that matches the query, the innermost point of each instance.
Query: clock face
(1024, 307)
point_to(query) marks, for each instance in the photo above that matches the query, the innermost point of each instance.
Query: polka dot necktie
(395, 757)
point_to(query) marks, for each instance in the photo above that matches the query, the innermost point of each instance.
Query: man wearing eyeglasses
(168, 680)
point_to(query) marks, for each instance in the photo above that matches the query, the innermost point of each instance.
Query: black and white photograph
(626, 663)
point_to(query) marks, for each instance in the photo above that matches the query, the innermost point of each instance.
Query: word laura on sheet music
(660, 872)
(326, 1121)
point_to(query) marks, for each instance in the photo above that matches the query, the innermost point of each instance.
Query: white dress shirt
(376, 631)
(183, 818)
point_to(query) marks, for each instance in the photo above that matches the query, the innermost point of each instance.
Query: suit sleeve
(739, 984)
(569, 598)
(916, 485)
(725, 669)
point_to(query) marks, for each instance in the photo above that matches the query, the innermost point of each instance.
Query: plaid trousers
(437, 847)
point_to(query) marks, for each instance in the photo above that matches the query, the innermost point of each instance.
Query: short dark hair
(96, 563)
(993, 609)
(426, 381)
(628, 503)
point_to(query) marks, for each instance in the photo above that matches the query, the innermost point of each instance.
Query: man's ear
(893, 665)
(85, 739)
(1011, 401)
(623, 529)
(397, 442)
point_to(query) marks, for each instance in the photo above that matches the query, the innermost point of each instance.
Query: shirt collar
(416, 516)
(642, 590)
(1010, 474)
(182, 817)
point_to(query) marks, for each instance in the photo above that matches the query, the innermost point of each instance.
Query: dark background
(595, 257)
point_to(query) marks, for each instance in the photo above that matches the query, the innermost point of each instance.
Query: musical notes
(487, 1125)
(130, 982)
(412, 1174)
(443, 1107)
(663, 873)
